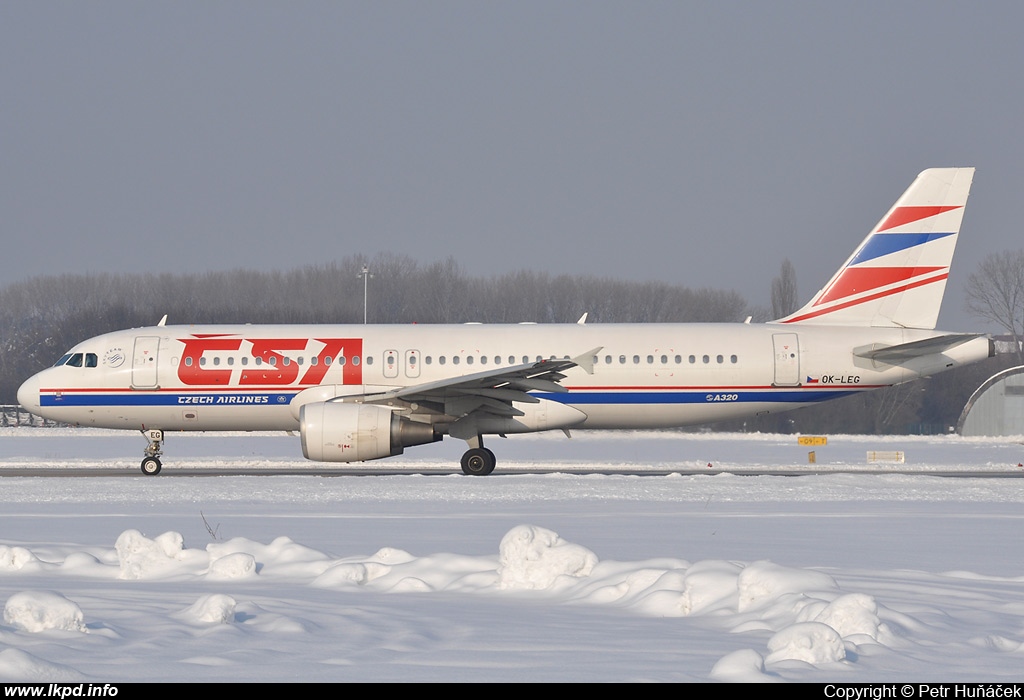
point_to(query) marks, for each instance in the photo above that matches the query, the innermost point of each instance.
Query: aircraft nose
(28, 394)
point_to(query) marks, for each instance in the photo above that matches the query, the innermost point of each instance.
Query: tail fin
(897, 276)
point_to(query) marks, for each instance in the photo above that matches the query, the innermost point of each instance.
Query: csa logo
(114, 357)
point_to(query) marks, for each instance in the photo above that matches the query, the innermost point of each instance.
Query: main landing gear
(478, 461)
(151, 462)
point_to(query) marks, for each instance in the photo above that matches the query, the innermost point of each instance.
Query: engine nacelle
(342, 432)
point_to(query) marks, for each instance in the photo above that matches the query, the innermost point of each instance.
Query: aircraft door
(390, 364)
(144, 362)
(787, 359)
(412, 363)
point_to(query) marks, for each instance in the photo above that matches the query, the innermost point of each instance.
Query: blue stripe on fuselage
(703, 396)
(165, 399)
(576, 398)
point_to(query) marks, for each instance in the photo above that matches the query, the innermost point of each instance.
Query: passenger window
(455, 360)
(369, 360)
(693, 359)
(732, 359)
(636, 359)
(622, 359)
(720, 359)
(355, 360)
(441, 360)
(429, 360)
(706, 359)
(342, 360)
(469, 360)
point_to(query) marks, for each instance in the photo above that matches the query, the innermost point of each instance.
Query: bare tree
(996, 293)
(784, 298)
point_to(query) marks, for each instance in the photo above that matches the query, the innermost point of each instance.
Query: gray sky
(695, 143)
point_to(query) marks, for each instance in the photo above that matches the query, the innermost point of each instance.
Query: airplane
(363, 392)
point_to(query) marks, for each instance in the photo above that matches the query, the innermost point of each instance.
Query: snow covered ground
(515, 577)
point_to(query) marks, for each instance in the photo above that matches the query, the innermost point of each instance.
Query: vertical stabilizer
(897, 276)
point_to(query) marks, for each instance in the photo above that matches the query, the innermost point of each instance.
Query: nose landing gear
(151, 462)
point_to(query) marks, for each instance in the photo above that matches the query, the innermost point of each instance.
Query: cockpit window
(79, 359)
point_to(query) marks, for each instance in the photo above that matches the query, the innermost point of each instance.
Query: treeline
(44, 316)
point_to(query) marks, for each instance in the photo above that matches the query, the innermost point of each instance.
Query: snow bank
(15, 558)
(141, 557)
(534, 558)
(811, 642)
(214, 608)
(39, 611)
(232, 566)
(20, 666)
(802, 614)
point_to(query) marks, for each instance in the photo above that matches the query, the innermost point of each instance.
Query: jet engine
(344, 432)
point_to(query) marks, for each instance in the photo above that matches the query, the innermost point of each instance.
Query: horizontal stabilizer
(895, 354)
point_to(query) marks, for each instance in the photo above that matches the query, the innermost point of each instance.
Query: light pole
(365, 274)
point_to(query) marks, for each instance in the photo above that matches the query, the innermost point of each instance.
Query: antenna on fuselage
(163, 321)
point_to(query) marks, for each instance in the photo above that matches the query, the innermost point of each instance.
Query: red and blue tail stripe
(896, 278)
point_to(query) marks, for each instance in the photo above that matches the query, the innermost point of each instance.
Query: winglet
(587, 359)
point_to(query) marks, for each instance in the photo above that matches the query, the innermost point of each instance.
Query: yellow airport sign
(812, 440)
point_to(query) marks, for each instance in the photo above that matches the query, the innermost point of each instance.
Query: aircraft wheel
(151, 466)
(478, 462)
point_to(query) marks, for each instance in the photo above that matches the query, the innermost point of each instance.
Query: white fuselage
(245, 377)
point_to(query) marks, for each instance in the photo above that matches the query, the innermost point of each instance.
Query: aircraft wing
(493, 391)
